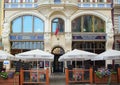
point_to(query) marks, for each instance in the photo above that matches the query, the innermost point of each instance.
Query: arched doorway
(57, 66)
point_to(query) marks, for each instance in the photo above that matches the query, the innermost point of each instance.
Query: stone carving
(110, 35)
(6, 30)
(5, 36)
(47, 36)
(68, 36)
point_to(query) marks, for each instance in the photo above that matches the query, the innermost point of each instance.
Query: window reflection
(37, 24)
(27, 24)
(27, 45)
(88, 23)
(17, 25)
(58, 23)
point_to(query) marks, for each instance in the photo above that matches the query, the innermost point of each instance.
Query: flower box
(105, 79)
(10, 80)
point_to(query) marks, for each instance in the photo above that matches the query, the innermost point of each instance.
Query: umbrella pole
(93, 63)
(37, 70)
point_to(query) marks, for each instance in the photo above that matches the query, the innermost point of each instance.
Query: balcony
(36, 3)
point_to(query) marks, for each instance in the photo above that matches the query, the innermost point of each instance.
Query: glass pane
(17, 25)
(34, 45)
(30, 45)
(54, 27)
(38, 25)
(42, 45)
(38, 45)
(19, 45)
(99, 25)
(76, 25)
(58, 24)
(119, 23)
(61, 25)
(23, 45)
(87, 24)
(27, 23)
(27, 45)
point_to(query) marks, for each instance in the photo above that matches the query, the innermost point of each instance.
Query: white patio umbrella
(77, 55)
(34, 55)
(6, 56)
(108, 55)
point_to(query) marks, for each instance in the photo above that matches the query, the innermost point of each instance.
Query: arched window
(88, 23)
(27, 24)
(57, 23)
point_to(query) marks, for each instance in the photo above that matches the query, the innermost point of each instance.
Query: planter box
(104, 80)
(10, 81)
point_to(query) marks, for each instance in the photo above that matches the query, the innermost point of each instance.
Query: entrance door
(57, 66)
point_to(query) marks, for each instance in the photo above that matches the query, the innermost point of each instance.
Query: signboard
(92, 37)
(29, 37)
(6, 62)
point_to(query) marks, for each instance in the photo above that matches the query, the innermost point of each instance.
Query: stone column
(109, 38)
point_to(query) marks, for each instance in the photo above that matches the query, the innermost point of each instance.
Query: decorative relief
(68, 37)
(47, 36)
(110, 35)
(6, 30)
(5, 36)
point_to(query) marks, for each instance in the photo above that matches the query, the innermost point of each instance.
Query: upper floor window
(119, 24)
(57, 1)
(27, 24)
(28, 0)
(100, 0)
(88, 23)
(58, 23)
(14, 1)
(86, 0)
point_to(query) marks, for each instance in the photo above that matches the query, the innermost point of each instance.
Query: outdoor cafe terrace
(25, 74)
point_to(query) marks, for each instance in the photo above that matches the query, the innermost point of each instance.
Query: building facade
(1, 21)
(57, 26)
(116, 19)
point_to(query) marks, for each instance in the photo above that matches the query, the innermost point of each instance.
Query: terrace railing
(79, 75)
(34, 76)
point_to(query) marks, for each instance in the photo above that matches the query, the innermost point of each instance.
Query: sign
(89, 37)
(6, 62)
(29, 37)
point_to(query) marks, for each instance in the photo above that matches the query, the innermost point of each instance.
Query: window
(17, 25)
(86, 0)
(6, 1)
(14, 1)
(119, 23)
(27, 45)
(28, 0)
(88, 23)
(57, 23)
(100, 0)
(27, 24)
(57, 1)
(37, 24)
(117, 45)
